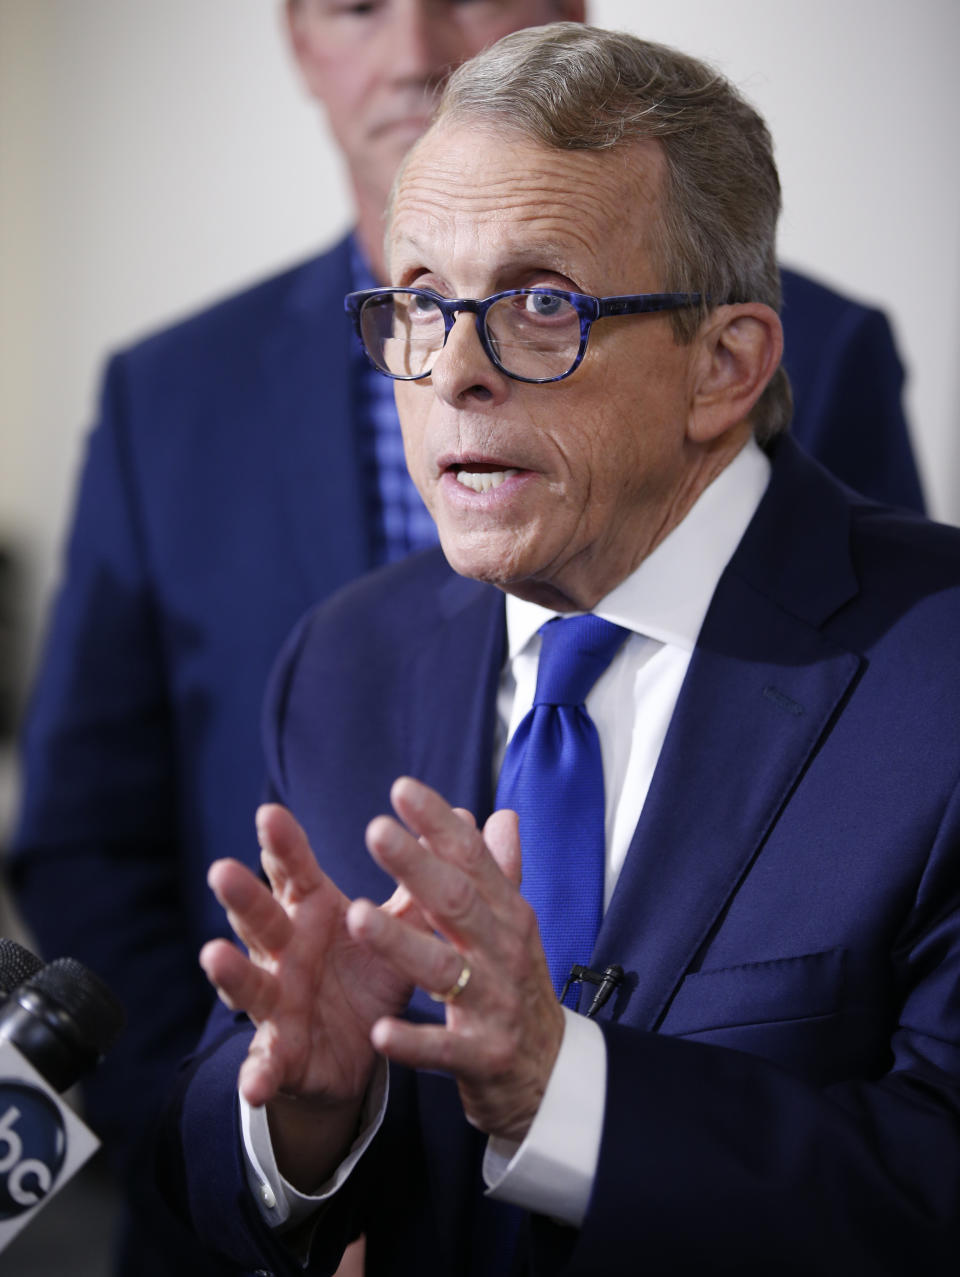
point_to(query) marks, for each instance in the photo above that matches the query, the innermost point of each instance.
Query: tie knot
(574, 654)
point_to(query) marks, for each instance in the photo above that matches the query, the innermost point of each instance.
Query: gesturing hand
(503, 1031)
(313, 991)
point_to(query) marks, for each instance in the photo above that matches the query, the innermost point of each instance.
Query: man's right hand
(311, 990)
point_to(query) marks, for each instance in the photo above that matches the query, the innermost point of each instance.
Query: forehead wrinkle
(436, 190)
(532, 253)
(557, 203)
(529, 231)
(540, 249)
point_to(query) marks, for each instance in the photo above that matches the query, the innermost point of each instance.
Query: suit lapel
(744, 728)
(456, 674)
(762, 690)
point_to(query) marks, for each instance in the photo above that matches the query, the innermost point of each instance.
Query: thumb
(502, 835)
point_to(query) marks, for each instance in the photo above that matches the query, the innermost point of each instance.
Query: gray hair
(575, 87)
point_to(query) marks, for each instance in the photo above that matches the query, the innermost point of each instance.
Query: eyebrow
(543, 254)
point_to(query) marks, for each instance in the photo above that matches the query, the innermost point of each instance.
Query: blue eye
(423, 305)
(544, 305)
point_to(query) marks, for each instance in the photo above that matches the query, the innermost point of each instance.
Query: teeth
(483, 482)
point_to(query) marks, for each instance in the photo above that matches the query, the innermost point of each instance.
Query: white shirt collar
(667, 596)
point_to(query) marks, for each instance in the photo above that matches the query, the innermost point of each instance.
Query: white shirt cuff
(552, 1171)
(282, 1205)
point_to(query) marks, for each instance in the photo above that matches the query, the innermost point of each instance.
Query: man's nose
(462, 372)
(423, 39)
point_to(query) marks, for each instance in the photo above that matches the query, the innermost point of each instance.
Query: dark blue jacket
(784, 1057)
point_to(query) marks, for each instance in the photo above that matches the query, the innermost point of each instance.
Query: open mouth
(482, 477)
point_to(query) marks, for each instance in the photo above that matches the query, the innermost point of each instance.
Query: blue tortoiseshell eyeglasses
(531, 334)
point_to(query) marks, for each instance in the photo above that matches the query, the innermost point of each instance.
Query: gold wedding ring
(463, 979)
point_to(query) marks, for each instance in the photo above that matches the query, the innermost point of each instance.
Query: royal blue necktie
(552, 776)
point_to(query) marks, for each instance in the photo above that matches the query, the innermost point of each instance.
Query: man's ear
(739, 351)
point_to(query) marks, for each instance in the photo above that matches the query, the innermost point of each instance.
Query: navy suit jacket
(784, 1057)
(222, 495)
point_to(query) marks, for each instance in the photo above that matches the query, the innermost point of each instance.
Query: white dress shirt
(663, 603)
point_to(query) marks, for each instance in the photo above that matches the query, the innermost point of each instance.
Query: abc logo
(33, 1144)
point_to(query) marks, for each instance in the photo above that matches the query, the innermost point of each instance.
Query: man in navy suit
(773, 1085)
(245, 464)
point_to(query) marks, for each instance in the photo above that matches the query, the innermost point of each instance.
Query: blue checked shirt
(397, 519)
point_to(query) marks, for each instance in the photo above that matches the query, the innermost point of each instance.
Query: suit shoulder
(362, 643)
(236, 321)
(393, 603)
(803, 293)
(823, 325)
(890, 538)
(374, 621)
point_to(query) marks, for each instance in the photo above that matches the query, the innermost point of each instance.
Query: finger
(286, 854)
(470, 1057)
(501, 1087)
(418, 956)
(402, 905)
(419, 1047)
(447, 896)
(254, 914)
(501, 833)
(261, 1073)
(442, 829)
(431, 818)
(240, 984)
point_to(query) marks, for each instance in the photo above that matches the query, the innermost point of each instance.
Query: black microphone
(63, 1019)
(611, 977)
(56, 1022)
(16, 965)
(606, 981)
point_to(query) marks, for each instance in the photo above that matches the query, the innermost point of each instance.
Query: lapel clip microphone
(606, 981)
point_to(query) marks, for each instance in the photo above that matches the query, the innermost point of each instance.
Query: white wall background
(154, 155)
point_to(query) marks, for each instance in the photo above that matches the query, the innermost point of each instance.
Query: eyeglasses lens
(534, 335)
(402, 332)
(531, 334)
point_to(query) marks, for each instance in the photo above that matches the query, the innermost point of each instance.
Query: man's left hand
(504, 1027)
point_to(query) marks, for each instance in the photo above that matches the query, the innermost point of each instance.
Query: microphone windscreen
(95, 1012)
(16, 965)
